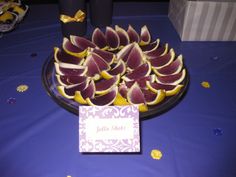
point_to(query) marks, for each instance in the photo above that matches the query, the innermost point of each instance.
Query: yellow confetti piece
(22, 88)
(156, 154)
(206, 84)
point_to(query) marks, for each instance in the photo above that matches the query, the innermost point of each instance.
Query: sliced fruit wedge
(159, 51)
(112, 39)
(95, 65)
(81, 42)
(135, 58)
(101, 63)
(119, 69)
(88, 92)
(93, 69)
(164, 60)
(103, 86)
(173, 68)
(135, 97)
(123, 90)
(120, 100)
(174, 79)
(123, 35)
(145, 37)
(69, 91)
(70, 69)
(61, 56)
(151, 46)
(170, 90)
(133, 35)
(142, 82)
(141, 71)
(70, 79)
(123, 54)
(107, 56)
(99, 39)
(153, 98)
(103, 100)
(71, 49)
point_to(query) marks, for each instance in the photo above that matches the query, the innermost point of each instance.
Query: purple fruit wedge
(70, 69)
(174, 79)
(71, 49)
(135, 58)
(81, 42)
(61, 56)
(103, 86)
(133, 35)
(123, 35)
(103, 100)
(159, 51)
(141, 71)
(112, 39)
(88, 92)
(164, 60)
(107, 56)
(70, 79)
(173, 68)
(145, 37)
(99, 39)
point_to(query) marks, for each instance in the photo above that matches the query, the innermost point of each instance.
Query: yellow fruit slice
(120, 101)
(160, 96)
(72, 49)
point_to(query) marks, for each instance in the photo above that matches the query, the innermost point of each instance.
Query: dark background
(55, 1)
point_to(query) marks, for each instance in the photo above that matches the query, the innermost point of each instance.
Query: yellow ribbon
(79, 17)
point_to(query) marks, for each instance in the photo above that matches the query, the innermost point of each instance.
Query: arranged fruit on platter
(118, 67)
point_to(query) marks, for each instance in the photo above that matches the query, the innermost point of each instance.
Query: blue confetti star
(11, 100)
(218, 131)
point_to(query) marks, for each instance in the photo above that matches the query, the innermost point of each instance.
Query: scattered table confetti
(205, 84)
(22, 88)
(156, 154)
(11, 100)
(215, 58)
(218, 131)
(34, 55)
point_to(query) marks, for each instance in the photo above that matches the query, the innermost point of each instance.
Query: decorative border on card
(103, 113)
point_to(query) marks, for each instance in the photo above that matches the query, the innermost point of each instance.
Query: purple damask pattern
(121, 144)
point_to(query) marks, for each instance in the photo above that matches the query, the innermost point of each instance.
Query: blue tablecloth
(40, 139)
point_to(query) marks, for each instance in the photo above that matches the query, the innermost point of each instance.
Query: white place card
(109, 129)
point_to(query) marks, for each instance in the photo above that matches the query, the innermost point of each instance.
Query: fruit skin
(113, 82)
(120, 100)
(170, 69)
(65, 57)
(112, 39)
(172, 79)
(80, 96)
(160, 96)
(144, 30)
(133, 35)
(141, 100)
(111, 73)
(79, 53)
(101, 41)
(71, 69)
(81, 42)
(141, 71)
(123, 35)
(113, 92)
(135, 58)
(171, 91)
